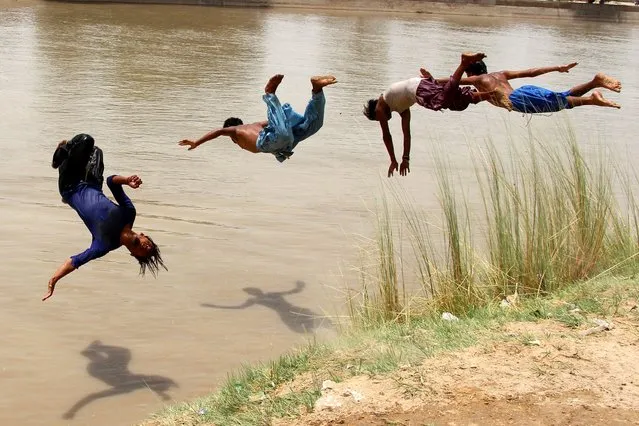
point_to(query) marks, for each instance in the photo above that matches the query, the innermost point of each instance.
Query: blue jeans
(277, 135)
(313, 119)
(299, 127)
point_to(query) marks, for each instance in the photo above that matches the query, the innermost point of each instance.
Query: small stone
(357, 397)
(327, 402)
(328, 384)
(447, 316)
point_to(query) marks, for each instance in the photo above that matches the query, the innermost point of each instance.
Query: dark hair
(369, 109)
(233, 121)
(477, 68)
(151, 261)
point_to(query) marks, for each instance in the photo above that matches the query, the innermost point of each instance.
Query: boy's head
(147, 253)
(232, 122)
(369, 109)
(476, 68)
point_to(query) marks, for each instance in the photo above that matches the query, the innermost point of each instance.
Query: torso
(402, 95)
(104, 218)
(246, 135)
(492, 81)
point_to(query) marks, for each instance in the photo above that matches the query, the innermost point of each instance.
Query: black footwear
(59, 156)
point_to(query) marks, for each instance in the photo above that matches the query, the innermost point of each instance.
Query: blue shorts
(535, 99)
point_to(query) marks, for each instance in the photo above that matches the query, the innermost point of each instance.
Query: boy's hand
(134, 181)
(566, 68)
(190, 144)
(51, 288)
(392, 168)
(404, 168)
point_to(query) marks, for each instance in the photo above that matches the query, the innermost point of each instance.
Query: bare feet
(273, 83)
(598, 99)
(470, 58)
(602, 80)
(320, 81)
(425, 74)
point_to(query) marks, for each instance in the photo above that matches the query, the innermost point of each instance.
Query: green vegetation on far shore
(553, 241)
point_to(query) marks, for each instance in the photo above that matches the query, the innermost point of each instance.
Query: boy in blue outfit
(284, 128)
(80, 166)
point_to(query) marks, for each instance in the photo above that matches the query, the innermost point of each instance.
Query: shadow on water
(110, 365)
(298, 319)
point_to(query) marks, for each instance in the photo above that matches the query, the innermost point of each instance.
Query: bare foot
(471, 58)
(273, 83)
(425, 74)
(598, 99)
(602, 80)
(320, 81)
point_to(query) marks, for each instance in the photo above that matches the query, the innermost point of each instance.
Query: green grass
(550, 218)
(259, 393)
(551, 235)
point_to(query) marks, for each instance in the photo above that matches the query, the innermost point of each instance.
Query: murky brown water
(139, 78)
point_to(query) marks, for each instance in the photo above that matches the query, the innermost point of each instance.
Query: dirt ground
(540, 374)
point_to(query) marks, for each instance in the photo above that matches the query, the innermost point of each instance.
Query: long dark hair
(151, 261)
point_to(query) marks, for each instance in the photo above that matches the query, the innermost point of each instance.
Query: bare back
(491, 82)
(246, 135)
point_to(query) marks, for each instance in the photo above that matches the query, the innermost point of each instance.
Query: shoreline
(539, 9)
(446, 370)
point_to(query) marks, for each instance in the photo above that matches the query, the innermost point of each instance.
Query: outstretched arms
(65, 269)
(534, 72)
(226, 131)
(74, 262)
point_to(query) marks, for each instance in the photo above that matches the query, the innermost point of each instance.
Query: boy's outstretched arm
(227, 131)
(534, 72)
(64, 269)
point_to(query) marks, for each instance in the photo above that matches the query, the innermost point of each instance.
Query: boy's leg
(599, 80)
(595, 99)
(277, 134)
(466, 60)
(95, 168)
(313, 119)
(451, 95)
(77, 155)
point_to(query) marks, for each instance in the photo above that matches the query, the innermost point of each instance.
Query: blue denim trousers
(281, 135)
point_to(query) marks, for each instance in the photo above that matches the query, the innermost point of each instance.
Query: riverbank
(537, 9)
(569, 358)
(530, 317)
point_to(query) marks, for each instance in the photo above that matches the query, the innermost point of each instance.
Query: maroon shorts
(438, 96)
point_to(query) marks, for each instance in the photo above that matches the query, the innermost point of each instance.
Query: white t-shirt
(402, 95)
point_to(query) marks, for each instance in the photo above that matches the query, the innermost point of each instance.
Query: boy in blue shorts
(534, 99)
(283, 129)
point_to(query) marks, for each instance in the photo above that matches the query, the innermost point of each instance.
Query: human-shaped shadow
(298, 319)
(110, 364)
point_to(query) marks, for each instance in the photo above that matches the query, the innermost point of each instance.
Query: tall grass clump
(380, 302)
(549, 217)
